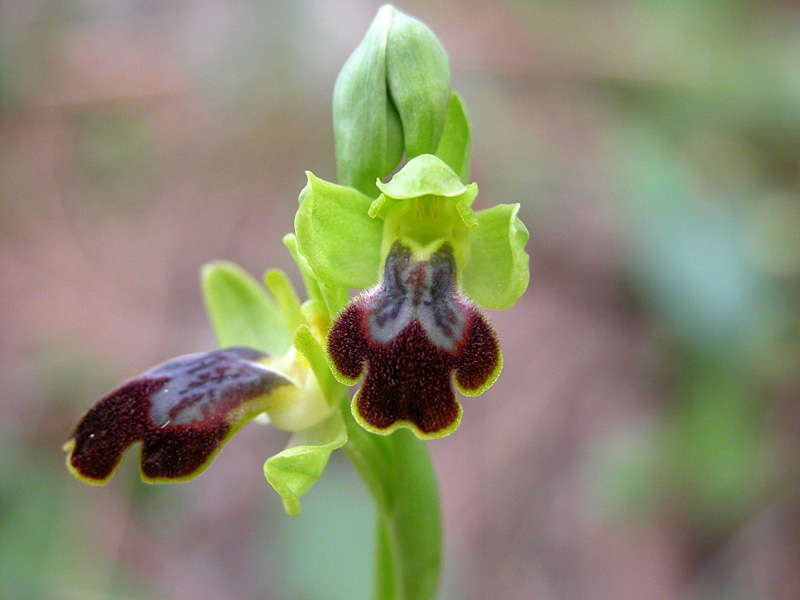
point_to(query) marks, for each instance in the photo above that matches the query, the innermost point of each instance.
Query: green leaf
(418, 76)
(240, 311)
(336, 236)
(367, 128)
(292, 472)
(455, 144)
(497, 272)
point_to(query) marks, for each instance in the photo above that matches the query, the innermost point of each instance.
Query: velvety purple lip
(182, 411)
(413, 334)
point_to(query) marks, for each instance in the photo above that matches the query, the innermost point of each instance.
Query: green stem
(399, 473)
(385, 583)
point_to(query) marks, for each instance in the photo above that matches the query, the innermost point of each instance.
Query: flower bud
(391, 97)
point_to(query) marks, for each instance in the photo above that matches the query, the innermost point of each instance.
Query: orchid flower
(421, 262)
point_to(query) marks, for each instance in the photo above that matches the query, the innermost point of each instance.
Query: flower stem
(398, 471)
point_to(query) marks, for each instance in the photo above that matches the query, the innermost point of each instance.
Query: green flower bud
(390, 97)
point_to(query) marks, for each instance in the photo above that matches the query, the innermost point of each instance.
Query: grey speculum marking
(199, 385)
(421, 290)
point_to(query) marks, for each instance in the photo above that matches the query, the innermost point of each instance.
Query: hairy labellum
(182, 411)
(415, 336)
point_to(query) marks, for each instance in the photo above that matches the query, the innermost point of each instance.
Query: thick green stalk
(399, 473)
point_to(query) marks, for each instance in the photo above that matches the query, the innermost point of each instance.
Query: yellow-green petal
(286, 298)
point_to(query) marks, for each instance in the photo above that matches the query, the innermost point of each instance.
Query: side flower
(427, 258)
(185, 410)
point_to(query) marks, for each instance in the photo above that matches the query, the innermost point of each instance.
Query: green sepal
(456, 141)
(335, 235)
(366, 125)
(418, 77)
(497, 272)
(293, 471)
(310, 280)
(240, 311)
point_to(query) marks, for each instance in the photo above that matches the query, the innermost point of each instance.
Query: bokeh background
(643, 439)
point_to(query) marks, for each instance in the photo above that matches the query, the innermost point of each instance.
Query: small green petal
(337, 238)
(292, 472)
(240, 311)
(455, 144)
(467, 214)
(497, 272)
(418, 76)
(312, 350)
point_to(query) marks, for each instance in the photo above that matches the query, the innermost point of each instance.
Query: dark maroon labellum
(182, 411)
(413, 334)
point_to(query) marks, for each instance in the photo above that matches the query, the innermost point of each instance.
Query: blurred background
(643, 439)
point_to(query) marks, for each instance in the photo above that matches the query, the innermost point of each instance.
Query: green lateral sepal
(336, 236)
(240, 311)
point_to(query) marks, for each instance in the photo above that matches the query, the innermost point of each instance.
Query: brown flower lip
(415, 335)
(183, 411)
